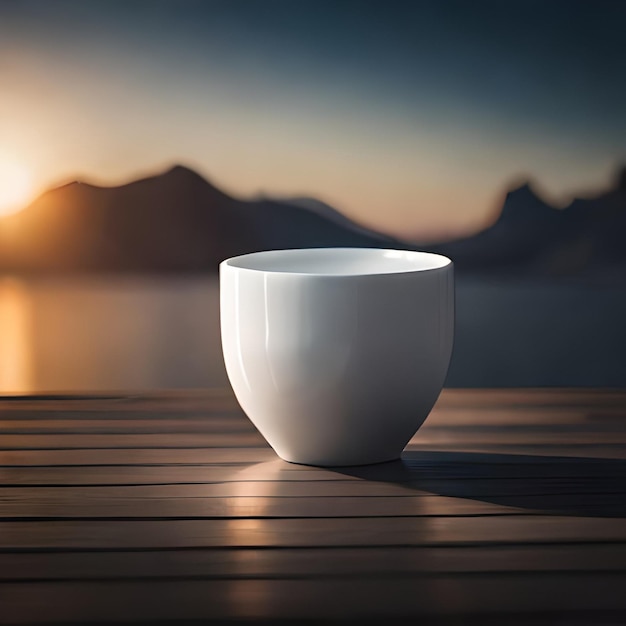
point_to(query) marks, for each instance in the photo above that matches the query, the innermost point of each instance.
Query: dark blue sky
(408, 115)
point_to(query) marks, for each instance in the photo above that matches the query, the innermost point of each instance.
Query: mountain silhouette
(533, 237)
(525, 226)
(175, 221)
(598, 224)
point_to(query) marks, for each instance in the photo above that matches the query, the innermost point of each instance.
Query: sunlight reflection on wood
(266, 473)
(233, 533)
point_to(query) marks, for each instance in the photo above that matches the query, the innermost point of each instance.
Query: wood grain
(305, 563)
(477, 598)
(509, 506)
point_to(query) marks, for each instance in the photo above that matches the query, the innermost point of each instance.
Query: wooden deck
(509, 507)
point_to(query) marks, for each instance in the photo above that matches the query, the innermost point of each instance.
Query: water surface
(112, 333)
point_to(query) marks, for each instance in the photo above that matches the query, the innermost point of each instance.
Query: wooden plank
(216, 400)
(441, 415)
(200, 397)
(305, 563)
(583, 450)
(509, 428)
(539, 397)
(462, 412)
(314, 499)
(441, 437)
(196, 456)
(210, 465)
(184, 425)
(134, 457)
(503, 436)
(94, 504)
(86, 442)
(122, 412)
(151, 401)
(462, 422)
(250, 480)
(446, 595)
(524, 415)
(308, 533)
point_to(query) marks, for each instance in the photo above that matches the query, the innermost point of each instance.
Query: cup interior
(339, 261)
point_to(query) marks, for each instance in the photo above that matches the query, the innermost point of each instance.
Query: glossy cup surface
(337, 355)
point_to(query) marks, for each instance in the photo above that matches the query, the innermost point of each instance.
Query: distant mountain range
(533, 237)
(179, 222)
(175, 221)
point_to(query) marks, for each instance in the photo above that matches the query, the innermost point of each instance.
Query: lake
(112, 333)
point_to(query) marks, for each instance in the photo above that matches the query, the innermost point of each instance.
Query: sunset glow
(16, 187)
(414, 120)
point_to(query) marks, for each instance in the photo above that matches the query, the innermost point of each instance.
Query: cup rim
(373, 262)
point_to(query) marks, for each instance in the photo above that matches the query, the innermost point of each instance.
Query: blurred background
(142, 142)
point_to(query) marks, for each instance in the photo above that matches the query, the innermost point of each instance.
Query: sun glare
(16, 187)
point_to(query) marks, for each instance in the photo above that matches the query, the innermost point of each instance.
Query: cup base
(333, 463)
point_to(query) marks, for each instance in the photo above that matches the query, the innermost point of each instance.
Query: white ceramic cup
(337, 355)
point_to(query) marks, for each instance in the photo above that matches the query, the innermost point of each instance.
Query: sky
(413, 117)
